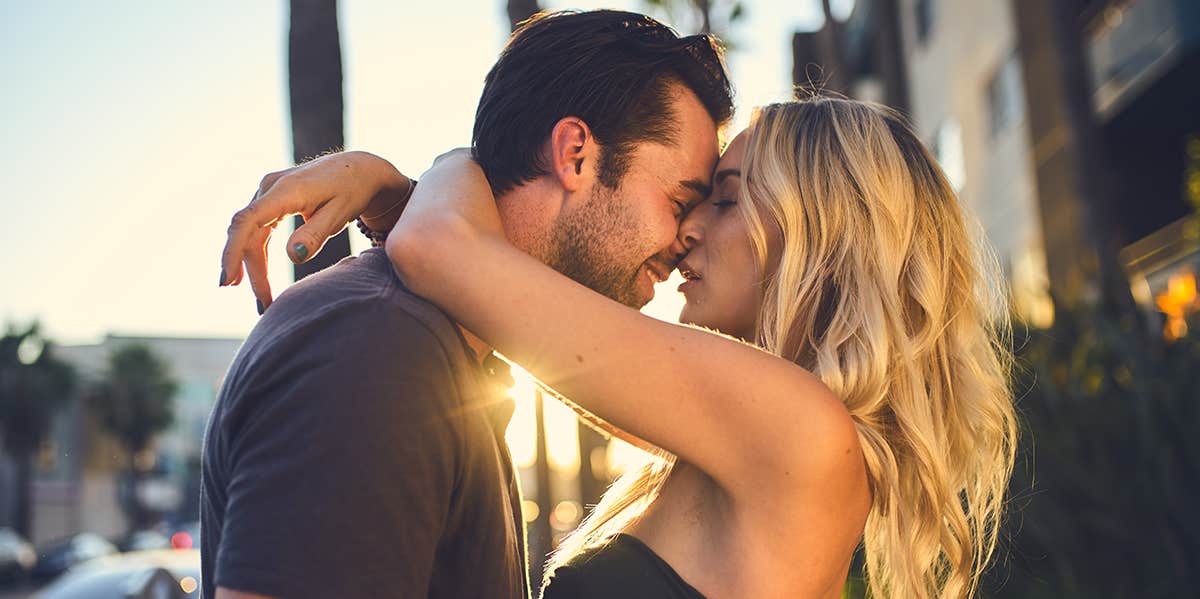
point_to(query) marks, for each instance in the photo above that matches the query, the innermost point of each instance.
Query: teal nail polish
(259, 305)
(222, 282)
(301, 251)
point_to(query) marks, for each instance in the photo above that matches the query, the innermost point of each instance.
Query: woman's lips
(691, 276)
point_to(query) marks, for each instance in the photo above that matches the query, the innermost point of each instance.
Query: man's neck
(526, 221)
(478, 346)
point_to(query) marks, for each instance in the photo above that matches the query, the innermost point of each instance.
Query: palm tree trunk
(540, 536)
(888, 55)
(591, 482)
(23, 510)
(135, 502)
(519, 10)
(1070, 161)
(1075, 197)
(315, 90)
(705, 9)
(820, 49)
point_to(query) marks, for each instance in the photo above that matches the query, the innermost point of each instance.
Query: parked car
(163, 573)
(17, 556)
(145, 540)
(56, 558)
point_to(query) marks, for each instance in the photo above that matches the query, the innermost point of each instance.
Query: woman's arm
(743, 416)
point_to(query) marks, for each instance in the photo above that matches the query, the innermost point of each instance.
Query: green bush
(1105, 496)
(1107, 482)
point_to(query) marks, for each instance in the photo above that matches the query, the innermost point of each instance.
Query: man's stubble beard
(584, 247)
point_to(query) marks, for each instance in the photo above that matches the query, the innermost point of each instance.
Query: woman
(872, 407)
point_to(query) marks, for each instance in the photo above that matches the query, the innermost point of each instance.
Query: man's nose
(687, 238)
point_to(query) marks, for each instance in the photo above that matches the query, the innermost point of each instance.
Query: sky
(133, 130)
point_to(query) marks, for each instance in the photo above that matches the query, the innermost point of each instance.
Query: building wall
(951, 74)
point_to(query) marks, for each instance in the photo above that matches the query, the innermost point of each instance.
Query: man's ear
(573, 154)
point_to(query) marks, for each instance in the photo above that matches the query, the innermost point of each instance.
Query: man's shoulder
(354, 321)
(351, 332)
(358, 300)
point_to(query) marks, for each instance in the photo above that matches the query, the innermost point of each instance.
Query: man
(357, 447)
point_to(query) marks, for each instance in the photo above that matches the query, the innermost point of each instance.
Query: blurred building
(79, 473)
(962, 71)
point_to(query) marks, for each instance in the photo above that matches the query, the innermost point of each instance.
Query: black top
(356, 450)
(625, 568)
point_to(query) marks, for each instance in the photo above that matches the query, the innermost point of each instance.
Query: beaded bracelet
(379, 237)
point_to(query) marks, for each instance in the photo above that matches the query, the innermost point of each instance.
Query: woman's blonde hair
(882, 292)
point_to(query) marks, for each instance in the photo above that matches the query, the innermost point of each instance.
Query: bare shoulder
(832, 450)
(804, 437)
(814, 499)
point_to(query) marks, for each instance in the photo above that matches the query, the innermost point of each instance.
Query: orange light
(181, 540)
(530, 510)
(188, 584)
(565, 515)
(1178, 300)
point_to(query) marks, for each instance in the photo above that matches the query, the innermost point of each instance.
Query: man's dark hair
(612, 69)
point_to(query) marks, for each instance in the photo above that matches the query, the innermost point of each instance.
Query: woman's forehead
(735, 151)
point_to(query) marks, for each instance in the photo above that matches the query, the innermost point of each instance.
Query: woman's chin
(693, 316)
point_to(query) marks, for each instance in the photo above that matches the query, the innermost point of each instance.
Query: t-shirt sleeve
(341, 475)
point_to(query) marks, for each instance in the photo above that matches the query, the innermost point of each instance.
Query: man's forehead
(699, 151)
(697, 130)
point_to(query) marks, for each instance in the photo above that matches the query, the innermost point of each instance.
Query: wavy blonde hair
(883, 293)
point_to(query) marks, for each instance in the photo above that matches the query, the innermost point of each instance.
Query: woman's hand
(452, 209)
(328, 192)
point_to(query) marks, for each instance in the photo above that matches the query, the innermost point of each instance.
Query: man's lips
(658, 272)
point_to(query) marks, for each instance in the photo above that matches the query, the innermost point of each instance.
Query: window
(948, 148)
(1006, 96)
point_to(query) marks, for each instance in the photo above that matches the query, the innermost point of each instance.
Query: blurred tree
(704, 16)
(1107, 481)
(519, 10)
(34, 385)
(1191, 185)
(315, 89)
(1076, 198)
(1102, 501)
(817, 57)
(135, 401)
(822, 61)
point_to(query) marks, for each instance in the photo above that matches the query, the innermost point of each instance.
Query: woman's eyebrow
(721, 174)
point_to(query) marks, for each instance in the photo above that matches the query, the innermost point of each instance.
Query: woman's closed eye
(723, 204)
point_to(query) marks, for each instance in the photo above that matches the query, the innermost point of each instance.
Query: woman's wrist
(377, 226)
(385, 206)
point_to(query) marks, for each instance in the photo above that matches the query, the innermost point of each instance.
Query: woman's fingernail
(259, 305)
(222, 283)
(301, 251)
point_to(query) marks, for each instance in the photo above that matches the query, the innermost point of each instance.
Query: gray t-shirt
(357, 450)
